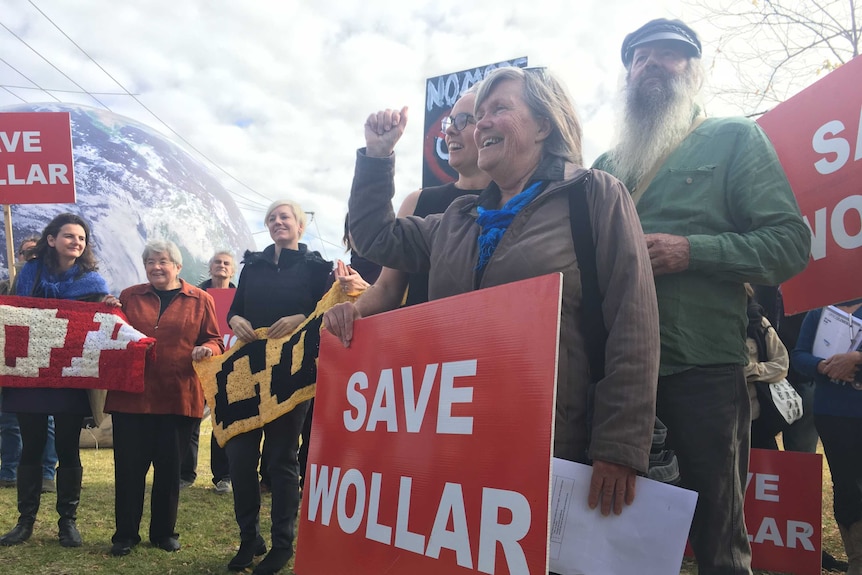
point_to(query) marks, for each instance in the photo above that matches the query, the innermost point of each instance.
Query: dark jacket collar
(285, 257)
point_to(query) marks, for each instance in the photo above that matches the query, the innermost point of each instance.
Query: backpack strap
(592, 318)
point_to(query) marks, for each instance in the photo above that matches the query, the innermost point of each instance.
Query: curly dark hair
(86, 261)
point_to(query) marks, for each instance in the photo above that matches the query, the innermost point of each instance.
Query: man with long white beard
(717, 211)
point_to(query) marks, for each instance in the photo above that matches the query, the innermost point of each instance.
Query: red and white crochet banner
(64, 343)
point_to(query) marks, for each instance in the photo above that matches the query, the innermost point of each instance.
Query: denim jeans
(10, 448)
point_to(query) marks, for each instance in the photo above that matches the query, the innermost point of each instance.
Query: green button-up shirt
(723, 189)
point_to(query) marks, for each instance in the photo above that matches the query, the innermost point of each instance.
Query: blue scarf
(65, 285)
(494, 223)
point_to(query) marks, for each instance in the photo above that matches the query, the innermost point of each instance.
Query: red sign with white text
(223, 298)
(783, 502)
(818, 137)
(36, 164)
(432, 438)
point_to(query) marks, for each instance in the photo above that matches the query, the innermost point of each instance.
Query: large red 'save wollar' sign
(36, 158)
(432, 438)
(818, 137)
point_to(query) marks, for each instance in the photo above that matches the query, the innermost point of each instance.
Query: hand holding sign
(383, 129)
(339, 321)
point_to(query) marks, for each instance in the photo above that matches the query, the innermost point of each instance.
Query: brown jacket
(171, 385)
(539, 241)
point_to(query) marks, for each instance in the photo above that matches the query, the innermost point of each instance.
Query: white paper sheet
(837, 332)
(648, 538)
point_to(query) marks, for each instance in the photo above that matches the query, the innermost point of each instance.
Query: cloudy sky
(275, 93)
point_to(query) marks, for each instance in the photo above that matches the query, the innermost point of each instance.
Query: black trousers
(218, 461)
(218, 458)
(708, 415)
(306, 443)
(189, 464)
(842, 443)
(34, 434)
(243, 454)
(141, 440)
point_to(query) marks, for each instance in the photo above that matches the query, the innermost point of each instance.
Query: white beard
(655, 121)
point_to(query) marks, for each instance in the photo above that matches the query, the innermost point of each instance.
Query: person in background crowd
(154, 427)
(717, 212)
(768, 361)
(387, 292)
(222, 270)
(801, 435)
(62, 267)
(838, 417)
(529, 141)
(10, 434)
(278, 289)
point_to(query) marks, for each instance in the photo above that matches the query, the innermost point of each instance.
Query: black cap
(661, 29)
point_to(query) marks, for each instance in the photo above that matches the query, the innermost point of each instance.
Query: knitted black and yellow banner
(256, 382)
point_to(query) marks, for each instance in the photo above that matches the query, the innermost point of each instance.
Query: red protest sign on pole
(432, 438)
(818, 137)
(36, 164)
(783, 509)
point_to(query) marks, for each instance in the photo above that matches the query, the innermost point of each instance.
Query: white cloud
(276, 93)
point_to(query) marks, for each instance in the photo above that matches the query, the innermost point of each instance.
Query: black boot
(68, 496)
(29, 496)
(274, 561)
(248, 550)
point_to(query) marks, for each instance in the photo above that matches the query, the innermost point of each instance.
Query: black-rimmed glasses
(459, 121)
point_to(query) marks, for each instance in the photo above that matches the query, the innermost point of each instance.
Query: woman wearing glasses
(458, 128)
(529, 142)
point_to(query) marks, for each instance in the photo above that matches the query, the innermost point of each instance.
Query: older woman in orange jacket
(154, 427)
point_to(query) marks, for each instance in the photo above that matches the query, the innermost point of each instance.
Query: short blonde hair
(300, 216)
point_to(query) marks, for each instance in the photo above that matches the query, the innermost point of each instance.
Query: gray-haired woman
(529, 141)
(154, 427)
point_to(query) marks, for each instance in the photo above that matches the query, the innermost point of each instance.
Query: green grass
(208, 532)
